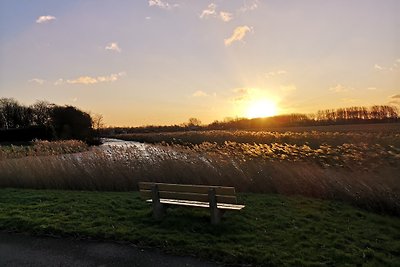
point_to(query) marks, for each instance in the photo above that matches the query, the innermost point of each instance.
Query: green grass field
(272, 230)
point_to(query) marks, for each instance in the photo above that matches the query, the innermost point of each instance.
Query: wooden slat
(199, 204)
(199, 189)
(146, 194)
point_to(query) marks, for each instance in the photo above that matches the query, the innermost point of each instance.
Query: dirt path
(25, 250)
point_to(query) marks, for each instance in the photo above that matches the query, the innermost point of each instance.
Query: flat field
(272, 230)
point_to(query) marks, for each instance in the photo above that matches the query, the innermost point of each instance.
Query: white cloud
(378, 67)
(37, 80)
(249, 5)
(339, 89)
(371, 88)
(44, 19)
(238, 34)
(209, 11)
(113, 47)
(225, 16)
(200, 93)
(147, 18)
(275, 73)
(160, 4)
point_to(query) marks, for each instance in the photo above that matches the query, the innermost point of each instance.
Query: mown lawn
(272, 229)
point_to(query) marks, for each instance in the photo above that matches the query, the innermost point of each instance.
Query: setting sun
(261, 108)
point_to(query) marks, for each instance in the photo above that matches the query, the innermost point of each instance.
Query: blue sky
(162, 62)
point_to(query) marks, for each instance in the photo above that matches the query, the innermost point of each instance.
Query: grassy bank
(271, 230)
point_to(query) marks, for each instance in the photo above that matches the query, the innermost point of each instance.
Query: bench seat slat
(146, 194)
(199, 189)
(199, 204)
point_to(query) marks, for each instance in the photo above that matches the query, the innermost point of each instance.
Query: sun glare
(261, 108)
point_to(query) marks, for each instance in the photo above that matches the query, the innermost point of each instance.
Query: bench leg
(159, 209)
(216, 214)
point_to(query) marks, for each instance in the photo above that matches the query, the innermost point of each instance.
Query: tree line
(349, 115)
(43, 120)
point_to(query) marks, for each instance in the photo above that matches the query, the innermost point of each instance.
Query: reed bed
(314, 139)
(42, 148)
(338, 173)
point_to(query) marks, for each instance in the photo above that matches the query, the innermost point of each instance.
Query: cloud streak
(339, 89)
(45, 19)
(37, 80)
(238, 34)
(88, 80)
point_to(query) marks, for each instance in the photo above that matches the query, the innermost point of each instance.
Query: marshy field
(343, 176)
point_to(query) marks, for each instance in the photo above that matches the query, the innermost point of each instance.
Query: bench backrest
(223, 194)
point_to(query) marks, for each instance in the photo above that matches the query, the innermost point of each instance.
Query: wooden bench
(217, 198)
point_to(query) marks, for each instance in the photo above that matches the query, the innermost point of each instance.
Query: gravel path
(25, 250)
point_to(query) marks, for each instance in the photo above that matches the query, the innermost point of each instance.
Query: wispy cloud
(87, 80)
(200, 93)
(275, 73)
(160, 4)
(249, 5)
(211, 11)
(238, 34)
(395, 66)
(37, 80)
(44, 19)
(372, 88)
(113, 47)
(339, 89)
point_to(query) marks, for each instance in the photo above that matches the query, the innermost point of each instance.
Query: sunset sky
(164, 61)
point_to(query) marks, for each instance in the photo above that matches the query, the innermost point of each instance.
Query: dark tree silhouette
(71, 123)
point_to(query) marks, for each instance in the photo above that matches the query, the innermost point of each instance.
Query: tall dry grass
(313, 139)
(42, 148)
(240, 165)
